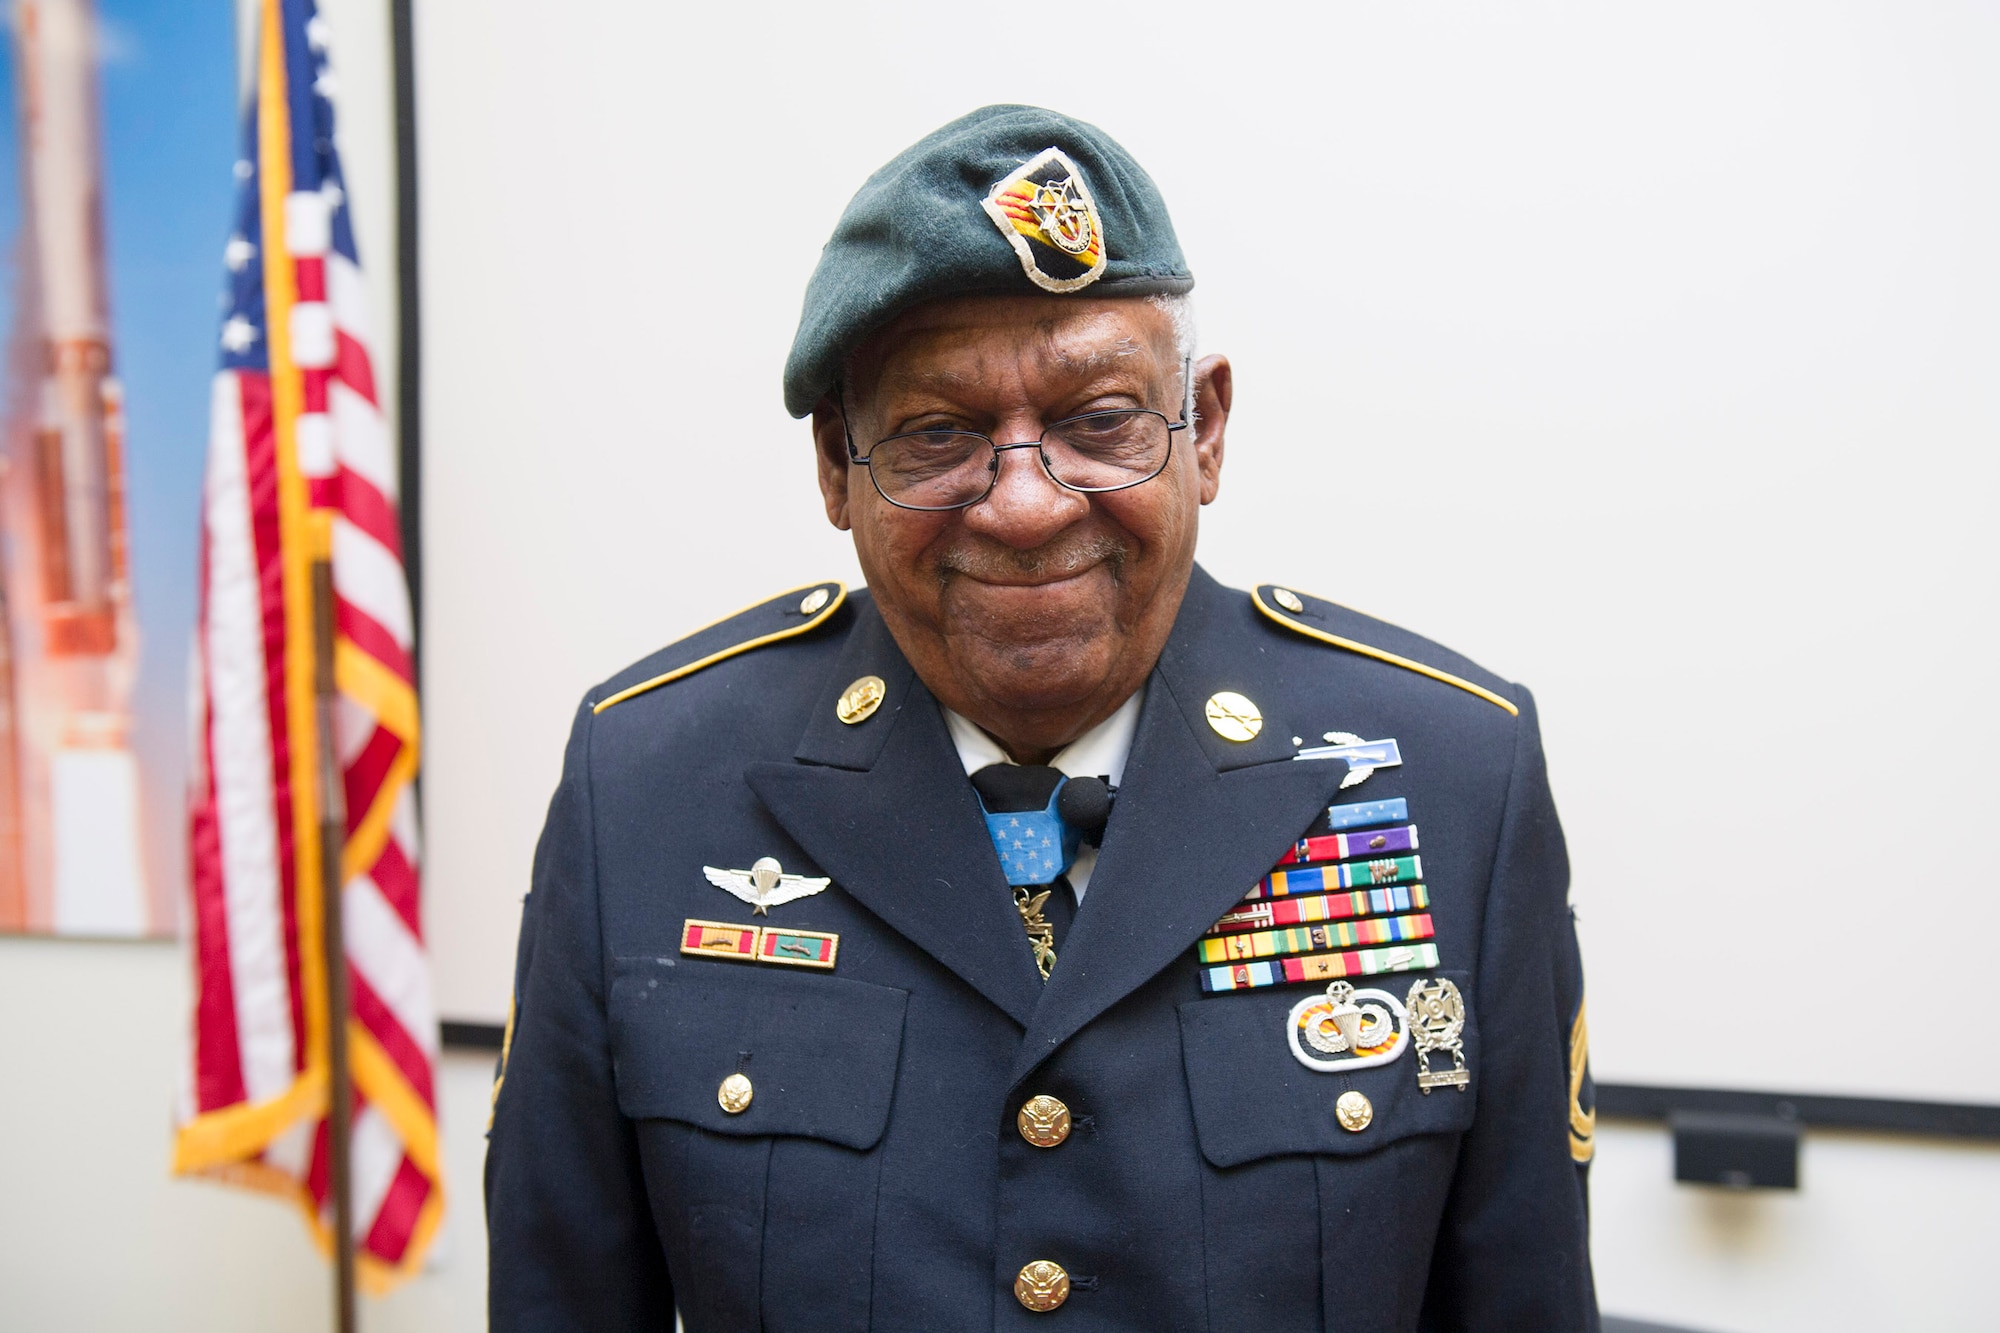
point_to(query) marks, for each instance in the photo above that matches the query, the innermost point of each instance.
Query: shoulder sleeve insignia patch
(1285, 607)
(1582, 1122)
(786, 616)
(500, 1066)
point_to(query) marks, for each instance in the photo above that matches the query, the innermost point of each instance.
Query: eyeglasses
(1092, 452)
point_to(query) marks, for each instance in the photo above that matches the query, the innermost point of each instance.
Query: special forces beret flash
(1008, 199)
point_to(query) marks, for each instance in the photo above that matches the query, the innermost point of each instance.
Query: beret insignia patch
(1046, 213)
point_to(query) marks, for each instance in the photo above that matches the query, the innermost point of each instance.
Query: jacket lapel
(884, 808)
(1194, 826)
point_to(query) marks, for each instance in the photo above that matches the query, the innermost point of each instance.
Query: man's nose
(1025, 508)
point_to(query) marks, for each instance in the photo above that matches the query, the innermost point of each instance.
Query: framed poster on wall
(117, 132)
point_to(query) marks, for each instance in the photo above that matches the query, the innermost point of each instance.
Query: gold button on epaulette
(734, 1095)
(1354, 1111)
(1288, 599)
(814, 600)
(859, 701)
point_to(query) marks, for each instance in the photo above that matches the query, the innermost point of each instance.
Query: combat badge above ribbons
(1045, 211)
(1362, 757)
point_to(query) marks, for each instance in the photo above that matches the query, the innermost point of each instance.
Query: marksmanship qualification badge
(1046, 213)
(1437, 1026)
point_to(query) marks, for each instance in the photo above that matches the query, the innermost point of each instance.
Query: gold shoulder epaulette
(1282, 605)
(785, 616)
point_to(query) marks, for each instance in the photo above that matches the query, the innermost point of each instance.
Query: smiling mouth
(1047, 580)
(1034, 569)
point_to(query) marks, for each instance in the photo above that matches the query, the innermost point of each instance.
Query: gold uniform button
(1233, 717)
(814, 601)
(734, 1095)
(1041, 1285)
(1354, 1111)
(1288, 599)
(1043, 1121)
(859, 701)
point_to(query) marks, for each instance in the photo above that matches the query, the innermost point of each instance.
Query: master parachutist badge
(1347, 1029)
(1437, 1025)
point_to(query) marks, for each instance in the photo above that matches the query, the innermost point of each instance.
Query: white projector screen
(1645, 353)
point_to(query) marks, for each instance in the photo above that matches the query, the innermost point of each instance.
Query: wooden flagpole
(332, 840)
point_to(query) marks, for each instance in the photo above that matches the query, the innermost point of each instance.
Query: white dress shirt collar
(1098, 753)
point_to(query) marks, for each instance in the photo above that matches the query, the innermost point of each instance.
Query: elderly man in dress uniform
(1045, 936)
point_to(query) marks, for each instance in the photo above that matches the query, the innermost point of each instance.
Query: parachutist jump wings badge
(764, 885)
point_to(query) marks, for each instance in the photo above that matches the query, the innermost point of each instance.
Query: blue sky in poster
(170, 135)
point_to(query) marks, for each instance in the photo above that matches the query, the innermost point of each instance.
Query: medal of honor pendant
(1041, 935)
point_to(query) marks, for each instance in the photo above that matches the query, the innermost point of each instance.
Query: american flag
(301, 467)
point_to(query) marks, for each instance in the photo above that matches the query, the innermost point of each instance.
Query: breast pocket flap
(819, 1052)
(1254, 1099)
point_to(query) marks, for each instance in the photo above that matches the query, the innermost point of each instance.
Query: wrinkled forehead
(964, 344)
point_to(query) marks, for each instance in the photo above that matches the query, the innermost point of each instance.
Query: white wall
(1883, 1234)
(94, 1234)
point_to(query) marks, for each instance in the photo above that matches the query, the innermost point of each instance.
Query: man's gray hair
(1179, 309)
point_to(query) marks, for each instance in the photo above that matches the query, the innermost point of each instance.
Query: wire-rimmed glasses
(1092, 452)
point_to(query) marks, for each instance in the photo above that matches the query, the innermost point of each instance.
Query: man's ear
(1214, 391)
(830, 449)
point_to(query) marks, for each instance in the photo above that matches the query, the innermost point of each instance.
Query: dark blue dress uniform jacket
(877, 1180)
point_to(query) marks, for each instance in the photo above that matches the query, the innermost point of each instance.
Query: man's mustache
(1059, 559)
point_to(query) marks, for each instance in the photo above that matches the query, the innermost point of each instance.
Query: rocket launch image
(70, 794)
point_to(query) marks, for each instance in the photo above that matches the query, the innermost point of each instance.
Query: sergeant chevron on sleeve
(1044, 935)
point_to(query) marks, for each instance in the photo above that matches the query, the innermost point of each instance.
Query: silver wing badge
(764, 885)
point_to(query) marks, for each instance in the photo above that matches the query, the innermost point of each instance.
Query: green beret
(1009, 199)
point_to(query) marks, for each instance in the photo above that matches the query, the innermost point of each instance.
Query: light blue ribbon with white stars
(1034, 845)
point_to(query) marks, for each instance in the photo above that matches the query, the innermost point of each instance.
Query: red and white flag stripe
(301, 467)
